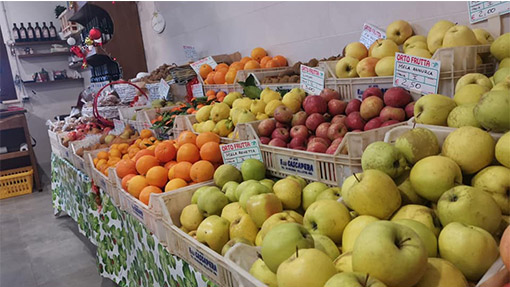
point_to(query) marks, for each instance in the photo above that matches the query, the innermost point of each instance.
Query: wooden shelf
(41, 43)
(14, 154)
(44, 55)
(30, 84)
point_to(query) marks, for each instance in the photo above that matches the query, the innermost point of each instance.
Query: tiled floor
(39, 249)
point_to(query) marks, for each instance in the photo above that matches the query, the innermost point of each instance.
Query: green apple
(417, 143)
(253, 169)
(299, 179)
(232, 242)
(199, 191)
(268, 183)
(260, 271)
(483, 36)
(502, 86)
(384, 157)
(471, 206)
(416, 45)
(275, 220)
(502, 75)
(213, 231)
(353, 229)
(346, 67)
(242, 187)
(383, 48)
(305, 268)
(419, 213)
(432, 176)
(282, 241)
(229, 189)
(391, 252)
(471, 249)
(225, 173)
(492, 111)
(426, 235)
(260, 207)
(416, 41)
(385, 66)
(470, 147)
(441, 273)
(469, 94)
(327, 217)
(243, 227)
(459, 35)
(326, 245)
(191, 217)
(433, 109)
(462, 116)
(436, 34)
(353, 279)
(500, 48)
(310, 193)
(495, 180)
(250, 190)
(288, 191)
(356, 50)
(409, 195)
(473, 78)
(232, 211)
(399, 31)
(211, 203)
(375, 194)
(343, 263)
(330, 193)
(502, 150)
(419, 52)
(294, 215)
(504, 63)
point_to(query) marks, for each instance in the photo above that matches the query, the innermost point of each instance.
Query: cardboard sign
(196, 65)
(481, 10)
(190, 53)
(370, 33)
(299, 166)
(235, 153)
(197, 90)
(163, 89)
(312, 80)
(416, 74)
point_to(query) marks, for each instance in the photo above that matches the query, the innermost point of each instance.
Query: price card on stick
(163, 89)
(416, 74)
(370, 33)
(482, 10)
(197, 90)
(208, 60)
(312, 80)
(235, 153)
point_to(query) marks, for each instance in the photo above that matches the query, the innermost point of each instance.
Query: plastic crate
(127, 113)
(227, 88)
(102, 181)
(16, 182)
(79, 162)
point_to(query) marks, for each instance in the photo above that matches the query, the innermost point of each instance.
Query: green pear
(211, 203)
(191, 217)
(199, 191)
(244, 227)
(225, 173)
(500, 48)
(260, 271)
(229, 189)
(213, 231)
(492, 111)
(384, 157)
(433, 109)
(462, 116)
(326, 245)
(417, 143)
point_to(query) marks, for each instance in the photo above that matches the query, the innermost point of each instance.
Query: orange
(204, 70)
(221, 94)
(145, 194)
(252, 65)
(245, 60)
(157, 176)
(136, 184)
(125, 167)
(175, 184)
(132, 151)
(210, 93)
(186, 137)
(210, 78)
(100, 163)
(188, 152)
(123, 147)
(258, 53)
(281, 60)
(219, 77)
(211, 151)
(141, 153)
(181, 170)
(207, 137)
(125, 180)
(145, 134)
(113, 161)
(144, 163)
(237, 65)
(96, 160)
(272, 64)
(201, 171)
(171, 172)
(165, 151)
(126, 156)
(230, 76)
(220, 67)
(102, 155)
(114, 153)
(169, 164)
(264, 60)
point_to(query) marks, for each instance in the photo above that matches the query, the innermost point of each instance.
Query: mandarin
(201, 171)
(182, 170)
(206, 137)
(146, 192)
(125, 167)
(165, 152)
(157, 176)
(175, 184)
(188, 152)
(211, 151)
(136, 184)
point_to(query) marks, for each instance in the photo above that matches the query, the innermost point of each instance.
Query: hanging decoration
(82, 53)
(94, 34)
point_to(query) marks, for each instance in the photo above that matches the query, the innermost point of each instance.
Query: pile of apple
(325, 119)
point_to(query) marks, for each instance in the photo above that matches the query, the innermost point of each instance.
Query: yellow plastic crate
(16, 182)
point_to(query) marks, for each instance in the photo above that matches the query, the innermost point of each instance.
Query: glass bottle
(22, 33)
(38, 32)
(15, 33)
(30, 32)
(45, 32)
(53, 32)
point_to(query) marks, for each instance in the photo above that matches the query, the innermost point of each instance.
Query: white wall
(297, 30)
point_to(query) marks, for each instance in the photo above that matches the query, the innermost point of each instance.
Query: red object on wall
(94, 34)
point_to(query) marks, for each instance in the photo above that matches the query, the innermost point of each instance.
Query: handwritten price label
(312, 80)
(370, 33)
(197, 90)
(481, 10)
(196, 65)
(163, 89)
(235, 153)
(416, 73)
(190, 53)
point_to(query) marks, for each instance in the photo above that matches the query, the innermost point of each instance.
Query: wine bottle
(45, 32)
(15, 33)
(22, 33)
(38, 32)
(53, 32)
(30, 32)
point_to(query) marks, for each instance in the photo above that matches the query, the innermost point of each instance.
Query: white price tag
(481, 10)
(370, 33)
(163, 89)
(235, 153)
(312, 80)
(416, 74)
(300, 166)
(197, 90)
(190, 53)
(118, 127)
(208, 60)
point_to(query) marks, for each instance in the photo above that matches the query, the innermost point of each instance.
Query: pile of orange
(212, 95)
(171, 164)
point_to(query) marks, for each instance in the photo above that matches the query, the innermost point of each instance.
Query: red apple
(266, 127)
(334, 146)
(371, 107)
(313, 121)
(391, 113)
(299, 131)
(372, 91)
(325, 141)
(354, 121)
(299, 118)
(409, 110)
(373, 123)
(397, 97)
(316, 147)
(329, 94)
(315, 104)
(337, 130)
(322, 130)
(504, 247)
(336, 107)
(283, 114)
(338, 119)
(389, 123)
(352, 106)
(281, 133)
(264, 140)
(277, 142)
(298, 143)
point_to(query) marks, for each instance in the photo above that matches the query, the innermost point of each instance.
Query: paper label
(312, 80)
(163, 89)
(137, 211)
(235, 153)
(197, 90)
(118, 127)
(201, 259)
(481, 10)
(299, 166)
(208, 60)
(417, 74)
(190, 53)
(370, 33)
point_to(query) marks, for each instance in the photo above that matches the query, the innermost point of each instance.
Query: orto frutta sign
(416, 73)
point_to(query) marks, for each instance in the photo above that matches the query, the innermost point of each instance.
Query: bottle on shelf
(30, 32)
(22, 33)
(45, 32)
(53, 32)
(38, 32)
(15, 33)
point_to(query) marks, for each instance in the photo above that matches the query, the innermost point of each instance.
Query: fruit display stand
(149, 115)
(106, 183)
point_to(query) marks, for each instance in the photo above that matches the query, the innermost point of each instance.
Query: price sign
(190, 53)
(235, 153)
(118, 127)
(370, 33)
(416, 73)
(312, 80)
(481, 10)
(163, 89)
(196, 65)
(197, 90)
(300, 166)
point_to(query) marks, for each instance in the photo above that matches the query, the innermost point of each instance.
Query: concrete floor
(39, 249)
